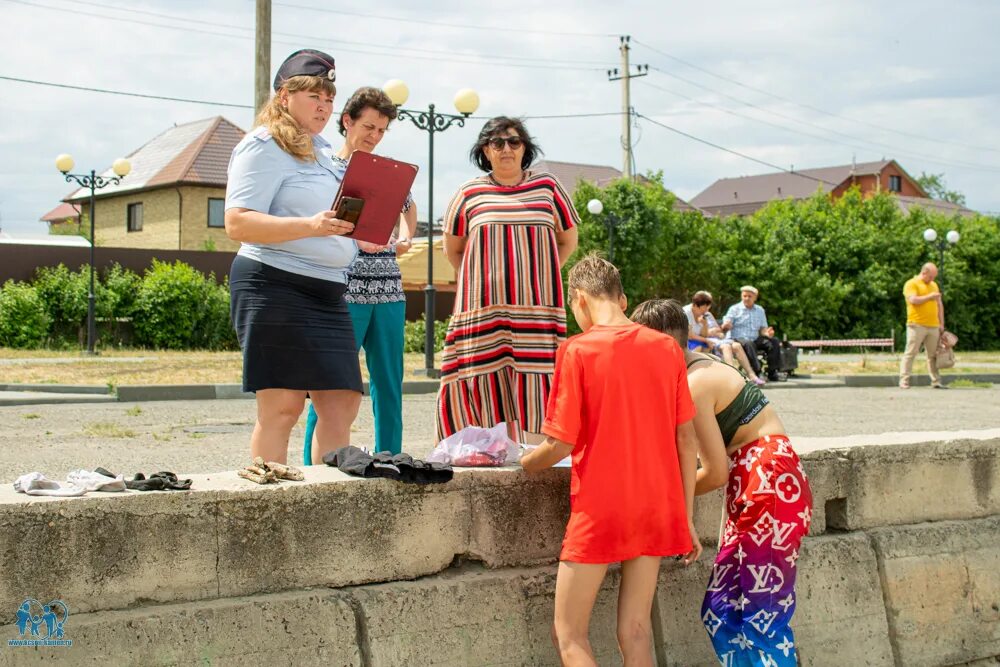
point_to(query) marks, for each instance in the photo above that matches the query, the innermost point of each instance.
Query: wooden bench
(845, 342)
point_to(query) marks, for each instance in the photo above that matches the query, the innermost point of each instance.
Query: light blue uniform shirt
(264, 178)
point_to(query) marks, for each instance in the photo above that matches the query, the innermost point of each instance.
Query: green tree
(935, 186)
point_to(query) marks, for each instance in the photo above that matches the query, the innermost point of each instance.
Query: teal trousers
(378, 329)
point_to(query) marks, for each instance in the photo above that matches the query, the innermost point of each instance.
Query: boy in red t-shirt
(620, 405)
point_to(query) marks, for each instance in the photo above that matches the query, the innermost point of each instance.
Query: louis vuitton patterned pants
(751, 596)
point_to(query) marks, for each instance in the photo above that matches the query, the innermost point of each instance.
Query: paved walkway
(213, 435)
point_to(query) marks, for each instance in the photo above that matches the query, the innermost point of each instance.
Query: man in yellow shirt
(924, 324)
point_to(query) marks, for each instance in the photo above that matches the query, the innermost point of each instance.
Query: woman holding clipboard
(375, 296)
(289, 278)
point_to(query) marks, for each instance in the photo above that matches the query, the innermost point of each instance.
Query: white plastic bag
(475, 446)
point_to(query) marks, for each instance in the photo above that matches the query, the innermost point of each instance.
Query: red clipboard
(383, 184)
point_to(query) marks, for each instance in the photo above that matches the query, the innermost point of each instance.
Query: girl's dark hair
(494, 127)
(364, 98)
(665, 315)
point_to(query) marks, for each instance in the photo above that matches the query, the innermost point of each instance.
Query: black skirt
(295, 331)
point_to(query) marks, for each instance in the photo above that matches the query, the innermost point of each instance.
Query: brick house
(746, 194)
(63, 216)
(571, 173)
(174, 197)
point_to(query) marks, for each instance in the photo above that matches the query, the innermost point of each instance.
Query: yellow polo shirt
(926, 314)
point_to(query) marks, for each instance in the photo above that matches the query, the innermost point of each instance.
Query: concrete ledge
(230, 537)
(133, 563)
(166, 392)
(59, 388)
(942, 590)
(838, 596)
(840, 618)
(904, 484)
(46, 398)
(300, 628)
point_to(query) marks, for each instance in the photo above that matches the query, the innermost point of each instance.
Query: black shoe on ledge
(773, 377)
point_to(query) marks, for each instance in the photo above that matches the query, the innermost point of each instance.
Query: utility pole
(626, 76)
(262, 59)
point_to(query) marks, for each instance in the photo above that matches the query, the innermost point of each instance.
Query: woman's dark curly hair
(362, 99)
(494, 127)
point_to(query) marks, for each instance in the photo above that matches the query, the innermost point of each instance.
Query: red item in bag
(476, 460)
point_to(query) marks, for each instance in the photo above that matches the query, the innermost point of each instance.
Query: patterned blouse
(375, 277)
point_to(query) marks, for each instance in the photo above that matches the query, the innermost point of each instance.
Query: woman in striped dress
(507, 233)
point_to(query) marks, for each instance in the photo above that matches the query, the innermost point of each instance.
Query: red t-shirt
(618, 394)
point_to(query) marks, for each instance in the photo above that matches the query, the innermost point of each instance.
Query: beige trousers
(917, 336)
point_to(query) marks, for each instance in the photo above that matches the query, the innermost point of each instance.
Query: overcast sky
(786, 82)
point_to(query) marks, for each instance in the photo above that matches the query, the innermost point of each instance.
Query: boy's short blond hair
(596, 276)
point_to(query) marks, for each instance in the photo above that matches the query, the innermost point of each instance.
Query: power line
(810, 107)
(729, 150)
(776, 125)
(125, 93)
(564, 115)
(442, 24)
(396, 53)
(894, 149)
(315, 38)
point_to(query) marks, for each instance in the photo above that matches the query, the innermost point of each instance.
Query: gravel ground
(209, 436)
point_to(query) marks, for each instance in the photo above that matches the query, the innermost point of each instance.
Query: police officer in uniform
(288, 280)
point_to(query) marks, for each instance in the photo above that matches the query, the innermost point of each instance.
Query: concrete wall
(902, 568)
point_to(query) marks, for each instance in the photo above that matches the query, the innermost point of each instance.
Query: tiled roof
(61, 212)
(729, 194)
(571, 173)
(194, 153)
(934, 205)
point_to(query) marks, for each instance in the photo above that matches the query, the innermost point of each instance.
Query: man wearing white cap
(746, 323)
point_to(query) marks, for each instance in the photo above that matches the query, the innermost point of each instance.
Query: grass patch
(107, 430)
(963, 383)
(32, 415)
(134, 412)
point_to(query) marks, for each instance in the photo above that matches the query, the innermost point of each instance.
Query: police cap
(306, 62)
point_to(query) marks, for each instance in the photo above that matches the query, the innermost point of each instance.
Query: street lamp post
(432, 122)
(596, 207)
(93, 181)
(951, 238)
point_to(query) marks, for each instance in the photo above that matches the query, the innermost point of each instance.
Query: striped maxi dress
(510, 314)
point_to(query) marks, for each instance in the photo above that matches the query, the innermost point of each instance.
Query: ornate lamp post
(121, 168)
(596, 207)
(951, 238)
(432, 122)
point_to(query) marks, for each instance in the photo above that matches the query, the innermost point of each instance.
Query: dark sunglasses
(498, 143)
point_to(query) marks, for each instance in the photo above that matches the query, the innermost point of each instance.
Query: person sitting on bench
(746, 323)
(705, 334)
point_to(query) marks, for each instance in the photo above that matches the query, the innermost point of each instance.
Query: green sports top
(741, 411)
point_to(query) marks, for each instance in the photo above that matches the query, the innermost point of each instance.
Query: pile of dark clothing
(80, 482)
(400, 467)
